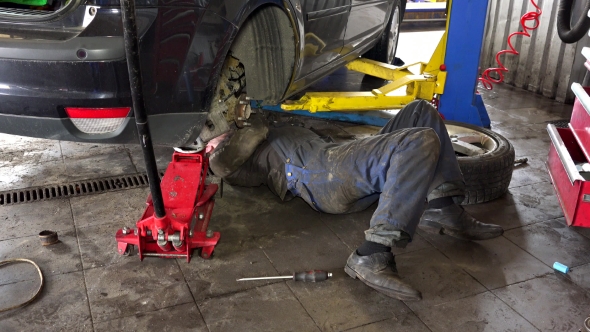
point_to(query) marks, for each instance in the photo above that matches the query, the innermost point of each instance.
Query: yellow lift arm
(428, 81)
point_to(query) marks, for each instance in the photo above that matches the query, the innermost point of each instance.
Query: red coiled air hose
(485, 79)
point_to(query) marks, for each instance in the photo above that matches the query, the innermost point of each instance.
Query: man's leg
(407, 179)
(443, 216)
(448, 179)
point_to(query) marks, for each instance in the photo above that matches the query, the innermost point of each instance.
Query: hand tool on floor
(179, 207)
(313, 276)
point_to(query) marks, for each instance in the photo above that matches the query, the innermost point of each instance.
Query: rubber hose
(41, 281)
(566, 32)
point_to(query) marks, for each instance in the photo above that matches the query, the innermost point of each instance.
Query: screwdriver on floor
(313, 276)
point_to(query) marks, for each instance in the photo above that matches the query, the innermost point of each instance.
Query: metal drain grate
(73, 189)
(560, 123)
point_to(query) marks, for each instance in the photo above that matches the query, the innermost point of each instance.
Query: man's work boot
(378, 271)
(453, 220)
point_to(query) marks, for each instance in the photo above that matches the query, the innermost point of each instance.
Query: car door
(365, 22)
(324, 26)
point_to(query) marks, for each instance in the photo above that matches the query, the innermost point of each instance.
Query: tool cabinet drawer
(580, 120)
(571, 185)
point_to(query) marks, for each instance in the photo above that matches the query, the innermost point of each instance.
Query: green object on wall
(27, 2)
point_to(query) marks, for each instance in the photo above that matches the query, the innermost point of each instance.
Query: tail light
(98, 120)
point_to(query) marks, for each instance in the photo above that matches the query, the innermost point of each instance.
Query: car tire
(567, 33)
(487, 176)
(386, 47)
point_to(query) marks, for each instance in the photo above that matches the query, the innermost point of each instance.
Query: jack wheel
(207, 252)
(128, 250)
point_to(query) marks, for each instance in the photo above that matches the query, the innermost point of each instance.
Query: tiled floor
(504, 284)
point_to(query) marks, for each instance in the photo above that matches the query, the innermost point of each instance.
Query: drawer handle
(582, 96)
(564, 156)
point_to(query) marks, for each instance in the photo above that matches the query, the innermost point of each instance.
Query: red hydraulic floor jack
(173, 225)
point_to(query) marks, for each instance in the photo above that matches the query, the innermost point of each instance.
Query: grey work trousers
(409, 160)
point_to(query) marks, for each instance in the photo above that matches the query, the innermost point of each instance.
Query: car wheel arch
(268, 55)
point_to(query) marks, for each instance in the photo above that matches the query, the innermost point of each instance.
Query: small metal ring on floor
(48, 238)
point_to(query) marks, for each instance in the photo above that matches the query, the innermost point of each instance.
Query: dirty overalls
(410, 160)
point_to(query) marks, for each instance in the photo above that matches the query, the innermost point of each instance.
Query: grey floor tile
(482, 312)
(32, 153)
(580, 230)
(494, 263)
(123, 208)
(342, 303)
(248, 217)
(581, 277)
(267, 308)
(315, 248)
(58, 258)
(500, 119)
(184, 317)
(21, 176)
(437, 277)
(527, 139)
(529, 146)
(535, 131)
(98, 246)
(28, 219)
(402, 323)
(61, 306)
(534, 115)
(511, 99)
(519, 207)
(550, 303)
(7, 139)
(350, 229)
(552, 241)
(99, 166)
(122, 290)
(532, 172)
(217, 276)
(81, 150)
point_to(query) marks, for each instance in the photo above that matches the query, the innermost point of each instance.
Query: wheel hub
(468, 142)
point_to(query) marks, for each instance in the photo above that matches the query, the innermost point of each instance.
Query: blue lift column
(461, 102)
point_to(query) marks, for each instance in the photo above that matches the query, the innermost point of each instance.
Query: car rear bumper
(176, 129)
(44, 88)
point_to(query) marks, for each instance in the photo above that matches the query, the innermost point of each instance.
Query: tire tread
(487, 177)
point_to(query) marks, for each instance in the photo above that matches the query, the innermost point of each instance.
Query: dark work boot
(378, 272)
(453, 220)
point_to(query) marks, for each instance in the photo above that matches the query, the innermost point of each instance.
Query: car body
(57, 63)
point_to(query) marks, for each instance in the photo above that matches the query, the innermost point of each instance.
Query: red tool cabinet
(571, 146)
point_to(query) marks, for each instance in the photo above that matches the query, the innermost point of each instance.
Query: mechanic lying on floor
(409, 161)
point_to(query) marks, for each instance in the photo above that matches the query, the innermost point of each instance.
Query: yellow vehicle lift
(428, 81)
(450, 77)
(421, 80)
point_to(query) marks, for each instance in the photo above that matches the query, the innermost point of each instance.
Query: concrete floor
(504, 284)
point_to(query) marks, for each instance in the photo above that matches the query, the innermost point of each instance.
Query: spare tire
(566, 32)
(486, 160)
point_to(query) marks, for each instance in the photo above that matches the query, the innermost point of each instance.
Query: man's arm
(234, 148)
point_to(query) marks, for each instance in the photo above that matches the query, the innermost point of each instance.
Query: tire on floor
(487, 176)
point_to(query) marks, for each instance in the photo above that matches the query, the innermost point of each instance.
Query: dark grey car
(63, 73)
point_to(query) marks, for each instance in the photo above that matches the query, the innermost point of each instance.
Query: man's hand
(212, 144)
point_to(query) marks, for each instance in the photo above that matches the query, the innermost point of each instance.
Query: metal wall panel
(545, 65)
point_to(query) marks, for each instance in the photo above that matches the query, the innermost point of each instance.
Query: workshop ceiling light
(98, 120)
